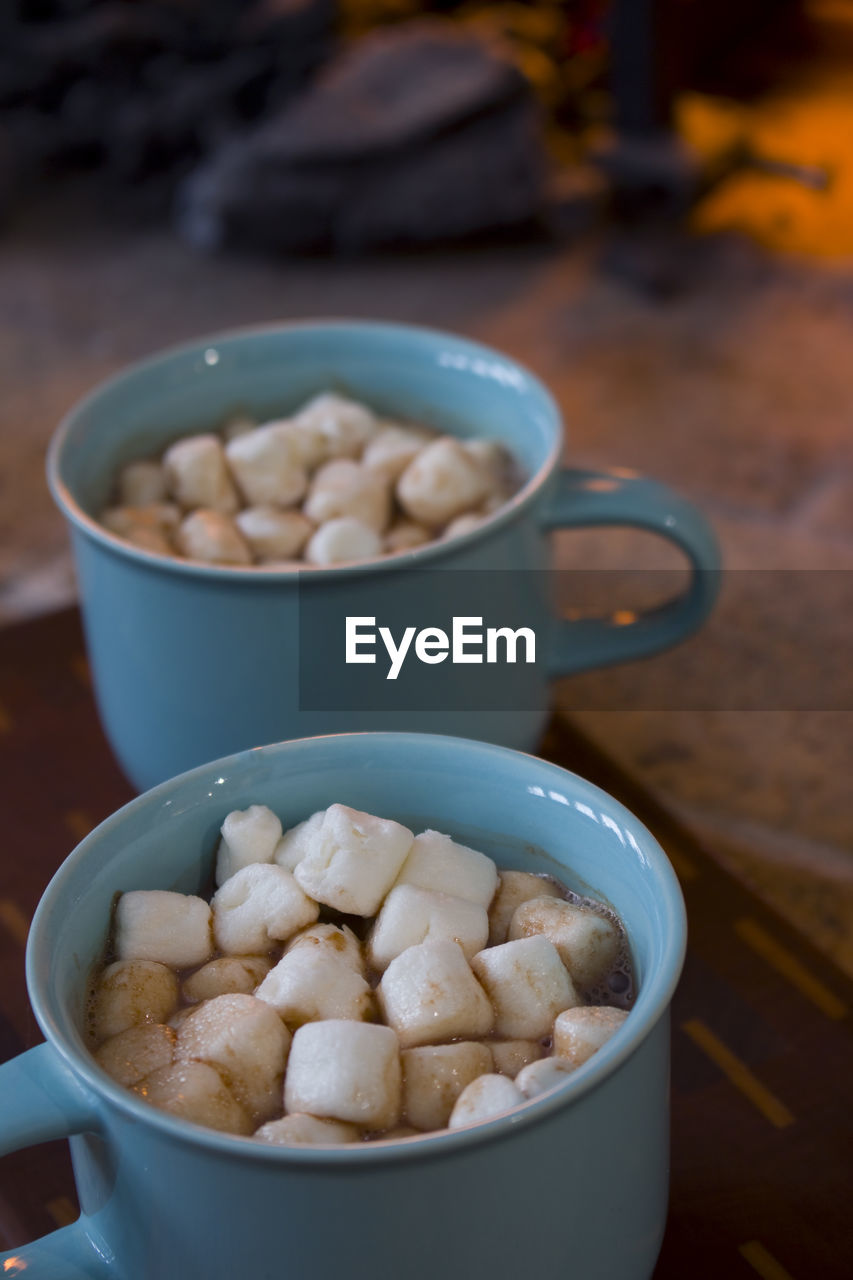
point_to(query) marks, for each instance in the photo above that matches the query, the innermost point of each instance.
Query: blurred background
(649, 202)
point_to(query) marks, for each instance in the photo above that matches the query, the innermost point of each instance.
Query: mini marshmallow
(154, 517)
(267, 467)
(311, 983)
(300, 444)
(405, 535)
(300, 1129)
(443, 481)
(345, 1070)
(246, 1041)
(491, 458)
(466, 523)
(307, 441)
(141, 483)
(273, 534)
(528, 985)
(296, 842)
(151, 527)
(337, 940)
(588, 943)
(393, 448)
(344, 488)
(157, 924)
(136, 1052)
(483, 1098)
(410, 915)
(579, 1033)
(515, 887)
(509, 1056)
(226, 976)
(428, 994)
(344, 426)
(542, 1076)
(258, 905)
(212, 537)
(341, 540)
(353, 860)
(195, 1091)
(248, 835)
(197, 474)
(130, 992)
(435, 1075)
(149, 539)
(437, 862)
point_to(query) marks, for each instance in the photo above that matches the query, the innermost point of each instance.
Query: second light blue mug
(573, 1186)
(191, 661)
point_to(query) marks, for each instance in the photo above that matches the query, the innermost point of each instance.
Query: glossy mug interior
(193, 661)
(574, 1184)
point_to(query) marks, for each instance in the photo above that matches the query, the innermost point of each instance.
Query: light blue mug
(190, 661)
(574, 1184)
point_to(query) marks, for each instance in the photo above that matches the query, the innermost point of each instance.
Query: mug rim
(412, 557)
(652, 1002)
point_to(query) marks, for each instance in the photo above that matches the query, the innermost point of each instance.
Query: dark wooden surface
(762, 1121)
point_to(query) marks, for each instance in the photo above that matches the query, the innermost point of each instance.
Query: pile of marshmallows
(477, 972)
(333, 483)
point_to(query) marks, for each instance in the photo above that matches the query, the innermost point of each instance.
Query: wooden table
(762, 1144)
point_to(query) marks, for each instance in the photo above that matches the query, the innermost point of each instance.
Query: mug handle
(586, 498)
(42, 1100)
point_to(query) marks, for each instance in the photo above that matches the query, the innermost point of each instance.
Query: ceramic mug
(575, 1183)
(192, 661)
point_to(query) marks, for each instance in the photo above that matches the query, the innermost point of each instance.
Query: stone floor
(738, 392)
